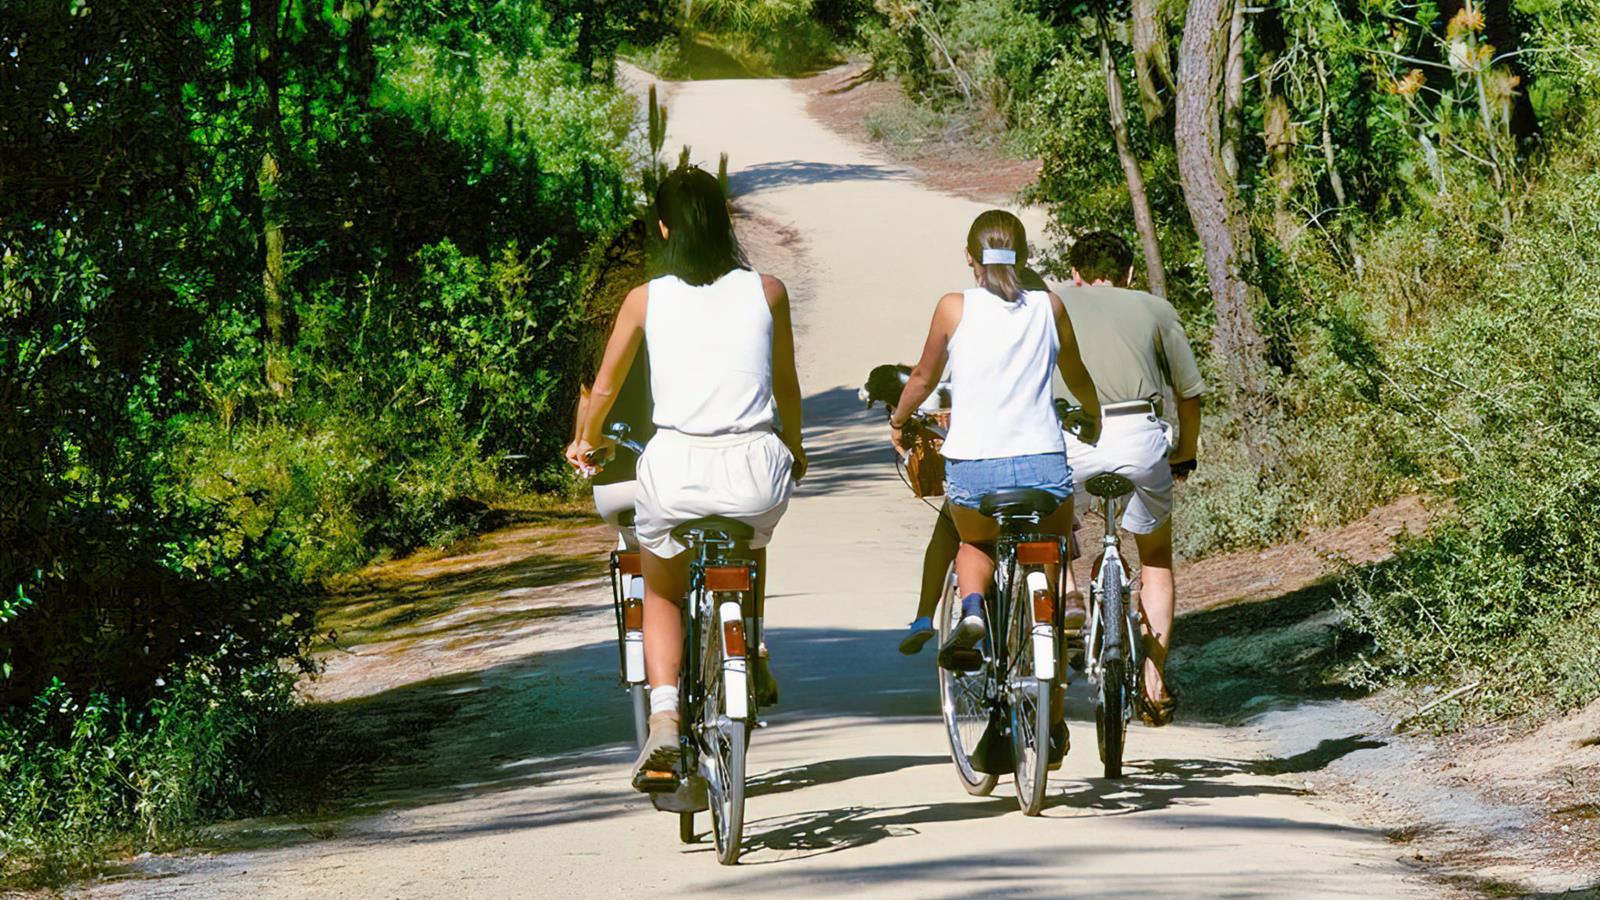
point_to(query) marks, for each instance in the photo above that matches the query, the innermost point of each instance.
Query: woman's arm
(577, 424)
(620, 350)
(785, 379)
(1078, 380)
(935, 356)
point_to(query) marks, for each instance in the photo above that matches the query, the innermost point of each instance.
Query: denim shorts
(968, 480)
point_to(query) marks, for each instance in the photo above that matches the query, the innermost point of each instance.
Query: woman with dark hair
(1000, 342)
(727, 418)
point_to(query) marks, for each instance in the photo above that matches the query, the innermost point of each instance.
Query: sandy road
(852, 789)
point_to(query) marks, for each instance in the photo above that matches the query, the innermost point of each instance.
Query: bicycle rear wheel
(963, 701)
(1029, 701)
(723, 759)
(641, 714)
(1110, 709)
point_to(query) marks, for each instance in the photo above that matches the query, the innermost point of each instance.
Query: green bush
(1503, 395)
(75, 775)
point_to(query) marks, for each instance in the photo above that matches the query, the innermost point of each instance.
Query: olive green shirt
(1132, 343)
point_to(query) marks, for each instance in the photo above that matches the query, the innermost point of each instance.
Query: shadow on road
(850, 448)
(764, 176)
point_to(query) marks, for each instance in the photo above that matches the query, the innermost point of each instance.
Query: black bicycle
(995, 697)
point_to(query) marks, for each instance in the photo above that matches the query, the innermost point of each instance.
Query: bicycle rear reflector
(1044, 606)
(733, 637)
(728, 578)
(633, 614)
(1039, 553)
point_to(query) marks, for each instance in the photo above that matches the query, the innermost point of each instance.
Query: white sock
(664, 699)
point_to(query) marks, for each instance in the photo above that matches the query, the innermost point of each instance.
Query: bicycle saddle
(1108, 484)
(733, 528)
(1018, 502)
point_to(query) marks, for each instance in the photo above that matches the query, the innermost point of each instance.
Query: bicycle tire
(1110, 711)
(963, 702)
(641, 714)
(724, 741)
(1029, 704)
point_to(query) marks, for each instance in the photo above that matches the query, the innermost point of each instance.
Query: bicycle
(1113, 636)
(1002, 686)
(717, 701)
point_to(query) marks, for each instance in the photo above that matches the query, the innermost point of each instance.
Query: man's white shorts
(1135, 447)
(685, 477)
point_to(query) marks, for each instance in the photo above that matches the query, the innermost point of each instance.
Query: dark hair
(1102, 256)
(701, 246)
(998, 230)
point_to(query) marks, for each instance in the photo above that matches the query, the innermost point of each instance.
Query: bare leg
(665, 583)
(943, 545)
(1159, 600)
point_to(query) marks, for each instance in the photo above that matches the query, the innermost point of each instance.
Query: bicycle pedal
(961, 659)
(656, 782)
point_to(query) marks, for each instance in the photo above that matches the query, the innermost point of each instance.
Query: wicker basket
(924, 465)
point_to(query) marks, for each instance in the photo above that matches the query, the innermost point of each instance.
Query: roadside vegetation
(1379, 223)
(284, 287)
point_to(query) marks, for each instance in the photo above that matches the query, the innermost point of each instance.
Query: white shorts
(611, 501)
(1135, 447)
(683, 477)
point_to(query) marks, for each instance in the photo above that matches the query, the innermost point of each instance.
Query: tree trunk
(1213, 201)
(1277, 120)
(1143, 221)
(1233, 92)
(275, 312)
(1152, 67)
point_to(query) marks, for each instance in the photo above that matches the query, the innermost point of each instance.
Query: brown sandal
(1157, 713)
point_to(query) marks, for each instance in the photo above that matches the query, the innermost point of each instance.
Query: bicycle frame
(706, 604)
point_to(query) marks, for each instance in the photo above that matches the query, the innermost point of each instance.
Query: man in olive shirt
(1136, 349)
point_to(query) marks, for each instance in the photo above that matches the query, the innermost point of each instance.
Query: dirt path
(515, 784)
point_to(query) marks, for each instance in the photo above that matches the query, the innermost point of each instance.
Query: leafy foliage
(165, 516)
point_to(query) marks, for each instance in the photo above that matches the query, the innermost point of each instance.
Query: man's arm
(1188, 430)
(785, 378)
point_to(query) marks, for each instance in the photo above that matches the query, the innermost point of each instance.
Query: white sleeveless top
(1001, 358)
(710, 354)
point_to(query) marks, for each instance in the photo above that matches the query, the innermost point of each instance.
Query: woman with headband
(1000, 341)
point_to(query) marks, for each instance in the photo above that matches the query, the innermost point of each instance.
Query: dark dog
(886, 383)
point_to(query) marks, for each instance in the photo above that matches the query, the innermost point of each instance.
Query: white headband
(995, 256)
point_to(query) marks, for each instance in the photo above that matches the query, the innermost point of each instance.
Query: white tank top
(1001, 357)
(710, 354)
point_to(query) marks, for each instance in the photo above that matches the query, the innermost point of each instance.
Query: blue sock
(972, 605)
(922, 623)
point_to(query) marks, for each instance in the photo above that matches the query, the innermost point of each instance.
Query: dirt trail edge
(525, 794)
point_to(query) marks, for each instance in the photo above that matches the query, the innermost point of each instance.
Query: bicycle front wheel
(1030, 702)
(724, 740)
(963, 701)
(1110, 710)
